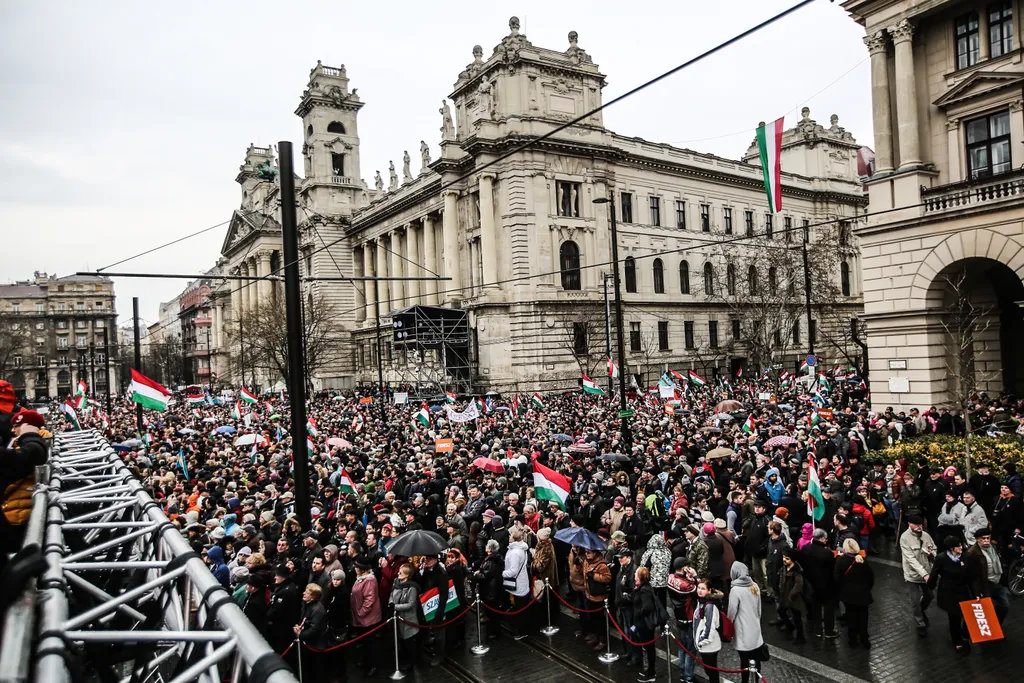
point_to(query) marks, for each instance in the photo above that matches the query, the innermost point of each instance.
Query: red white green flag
(345, 484)
(247, 395)
(815, 501)
(769, 144)
(590, 387)
(550, 485)
(147, 393)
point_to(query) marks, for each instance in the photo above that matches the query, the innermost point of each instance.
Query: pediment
(977, 84)
(245, 224)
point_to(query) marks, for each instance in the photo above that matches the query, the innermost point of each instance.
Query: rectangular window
(15, 308)
(100, 358)
(713, 334)
(655, 210)
(988, 145)
(705, 218)
(80, 340)
(806, 225)
(634, 337)
(735, 328)
(814, 332)
(337, 164)
(62, 342)
(568, 198)
(796, 333)
(98, 323)
(787, 224)
(966, 40)
(748, 218)
(62, 360)
(768, 225)
(688, 333)
(40, 308)
(681, 215)
(1000, 28)
(663, 335)
(81, 324)
(16, 360)
(727, 220)
(99, 305)
(80, 307)
(626, 203)
(580, 347)
(40, 360)
(62, 308)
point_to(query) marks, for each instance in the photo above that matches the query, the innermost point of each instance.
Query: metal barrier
(123, 595)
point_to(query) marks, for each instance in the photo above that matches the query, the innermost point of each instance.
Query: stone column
(368, 271)
(263, 268)
(397, 270)
(488, 242)
(430, 287)
(881, 108)
(361, 286)
(412, 248)
(383, 288)
(214, 327)
(953, 141)
(236, 293)
(244, 284)
(450, 229)
(983, 46)
(906, 94)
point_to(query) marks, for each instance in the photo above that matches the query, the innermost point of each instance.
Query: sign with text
(899, 385)
(443, 446)
(366, 400)
(897, 365)
(764, 396)
(401, 397)
(825, 413)
(982, 623)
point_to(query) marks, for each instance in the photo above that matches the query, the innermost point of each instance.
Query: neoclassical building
(524, 250)
(945, 199)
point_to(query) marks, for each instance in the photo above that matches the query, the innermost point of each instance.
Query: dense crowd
(705, 520)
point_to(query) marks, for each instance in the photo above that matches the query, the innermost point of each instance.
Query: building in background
(943, 248)
(196, 323)
(54, 332)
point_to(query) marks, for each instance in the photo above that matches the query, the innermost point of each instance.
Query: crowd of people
(704, 519)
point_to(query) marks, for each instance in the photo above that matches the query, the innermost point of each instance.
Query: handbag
(538, 587)
(763, 655)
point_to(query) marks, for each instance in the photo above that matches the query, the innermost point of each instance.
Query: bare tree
(647, 355)
(165, 361)
(582, 336)
(707, 357)
(14, 341)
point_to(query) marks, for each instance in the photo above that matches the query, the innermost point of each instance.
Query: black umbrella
(615, 457)
(418, 542)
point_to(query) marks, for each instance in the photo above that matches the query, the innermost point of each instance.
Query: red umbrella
(489, 465)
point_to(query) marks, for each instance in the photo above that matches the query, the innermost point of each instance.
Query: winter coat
(706, 620)
(659, 559)
(634, 529)
(953, 581)
(489, 580)
(855, 581)
(576, 579)
(314, 625)
(516, 577)
(644, 610)
(365, 601)
(745, 609)
(697, 557)
(405, 598)
(728, 550)
(819, 565)
(217, 566)
(596, 570)
(545, 565)
(791, 588)
(974, 520)
(625, 586)
(716, 556)
(283, 612)
(806, 536)
(773, 566)
(918, 553)
(756, 542)
(952, 515)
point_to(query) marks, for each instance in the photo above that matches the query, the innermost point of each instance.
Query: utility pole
(380, 362)
(138, 358)
(106, 363)
(241, 338)
(608, 329)
(627, 434)
(807, 292)
(92, 367)
(293, 317)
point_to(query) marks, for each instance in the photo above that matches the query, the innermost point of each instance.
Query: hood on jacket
(740, 575)
(332, 552)
(771, 471)
(656, 542)
(807, 532)
(216, 555)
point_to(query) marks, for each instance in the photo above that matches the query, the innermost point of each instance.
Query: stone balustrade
(961, 195)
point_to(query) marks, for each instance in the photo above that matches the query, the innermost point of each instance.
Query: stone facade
(63, 322)
(946, 195)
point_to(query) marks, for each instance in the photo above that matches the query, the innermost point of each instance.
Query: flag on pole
(590, 387)
(804, 366)
(182, 463)
(147, 393)
(195, 396)
(815, 419)
(345, 484)
(769, 144)
(423, 416)
(236, 411)
(514, 405)
(311, 427)
(70, 414)
(613, 369)
(550, 485)
(749, 425)
(310, 446)
(252, 454)
(247, 395)
(80, 401)
(83, 388)
(538, 400)
(696, 379)
(449, 396)
(678, 375)
(815, 501)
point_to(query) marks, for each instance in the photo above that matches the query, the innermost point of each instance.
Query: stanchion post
(752, 668)
(480, 648)
(668, 650)
(609, 656)
(298, 655)
(397, 675)
(548, 630)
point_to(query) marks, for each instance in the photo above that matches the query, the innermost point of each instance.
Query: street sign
(812, 361)
(897, 365)
(627, 413)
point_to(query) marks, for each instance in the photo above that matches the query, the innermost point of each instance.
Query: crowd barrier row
(481, 648)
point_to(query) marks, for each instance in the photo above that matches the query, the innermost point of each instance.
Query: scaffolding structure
(439, 331)
(123, 597)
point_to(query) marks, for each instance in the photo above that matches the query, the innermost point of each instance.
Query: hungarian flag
(815, 501)
(815, 419)
(195, 395)
(538, 400)
(423, 416)
(550, 485)
(769, 144)
(345, 484)
(247, 395)
(431, 600)
(696, 379)
(748, 425)
(784, 375)
(83, 388)
(739, 372)
(147, 393)
(70, 414)
(590, 387)
(483, 406)
(236, 411)
(514, 405)
(613, 369)
(311, 427)
(80, 401)
(678, 375)
(804, 366)
(521, 406)
(310, 446)
(449, 396)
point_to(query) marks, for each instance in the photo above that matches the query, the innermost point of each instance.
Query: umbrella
(225, 430)
(416, 543)
(489, 465)
(779, 441)
(615, 457)
(724, 416)
(275, 416)
(130, 443)
(186, 430)
(209, 419)
(121, 448)
(719, 453)
(728, 406)
(503, 409)
(711, 430)
(580, 537)
(561, 437)
(245, 440)
(436, 409)
(171, 419)
(583, 448)
(336, 441)
(785, 406)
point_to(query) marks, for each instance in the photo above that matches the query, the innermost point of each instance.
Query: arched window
(773, 280)
(752, 280)
(709, 280)
(569, 258)
(659, 277)
(630, 274)
(730, 279)
(335, 127)
(63, 377)
(844, 277)
(309, 131)
(684, 277)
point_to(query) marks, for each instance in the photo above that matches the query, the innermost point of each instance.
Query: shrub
(943, 451)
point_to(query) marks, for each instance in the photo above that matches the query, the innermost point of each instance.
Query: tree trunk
(967, 441)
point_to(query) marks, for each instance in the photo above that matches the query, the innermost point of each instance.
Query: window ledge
(1011, 57)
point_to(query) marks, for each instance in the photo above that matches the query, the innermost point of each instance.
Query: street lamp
(627, 435)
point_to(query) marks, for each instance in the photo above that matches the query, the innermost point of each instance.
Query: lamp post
(627, 434)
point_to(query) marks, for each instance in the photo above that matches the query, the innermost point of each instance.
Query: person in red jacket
(366, 612)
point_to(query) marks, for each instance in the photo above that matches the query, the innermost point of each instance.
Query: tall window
(663, 335)
(713, 334)
(688, 333)
(736, 330)
(634, 337)
(988, 145)
(63, 377)
(790, 282)
(705, 218)
(626, 204)
(684, 277)
(655, 210)
(580, 344)
(773, 280)
(1000, 28)
(40, 308)
(338, 164)
(727, 220)
(787, 224)
(569, 257)
(17, 361)
(630, 268)
(681, 215)
(806, 225)
(709, 280)
(768, 225)
(796, 333)
(967, 40)
(568, 198)
(844, 277)
(730, 279)
(659, 276)
(748, 219)
(41, 359)
(752, 280)
(814, 333)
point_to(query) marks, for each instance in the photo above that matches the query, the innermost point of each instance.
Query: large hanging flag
(236, 411)
(449, 396)
(247, 395)
(70, 414)
(423, 416)
(696, 379)
(749, 425)
(769, 144)
(538, 400)
(550, 485)
(147, 393)
(590, 387)
(83, 388)
(613, 369)
(815, 501)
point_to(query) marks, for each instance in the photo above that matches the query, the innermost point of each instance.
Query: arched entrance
(978, 303)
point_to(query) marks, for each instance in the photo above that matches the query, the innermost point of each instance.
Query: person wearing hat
(18, 462)
(985, 569)
(489, 582)
(283, 609)
(255, 605)
(697, 555)
(405, 594)
(917, 552)
(366, 611)
(625, 584)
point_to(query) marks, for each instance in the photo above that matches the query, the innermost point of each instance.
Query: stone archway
(968, 244)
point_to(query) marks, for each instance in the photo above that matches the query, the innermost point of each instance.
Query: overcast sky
(123, 124)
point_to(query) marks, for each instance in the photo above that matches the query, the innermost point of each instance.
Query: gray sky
(123, 123)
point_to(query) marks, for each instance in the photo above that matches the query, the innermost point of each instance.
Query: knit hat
(543, 534)
(782, 513)
(693, 530)
(709, 528)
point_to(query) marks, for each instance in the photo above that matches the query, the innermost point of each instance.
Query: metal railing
(123, 595)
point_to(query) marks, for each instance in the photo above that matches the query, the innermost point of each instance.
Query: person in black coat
(283, 611)
(256, 605)
(645, 618)
(434, 577)
(633, 526)
(312, 627)
(819, 572)
(490, 585)
(951, 576)
(855, 579)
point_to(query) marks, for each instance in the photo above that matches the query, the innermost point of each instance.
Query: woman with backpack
(647, 622)
(707, 620)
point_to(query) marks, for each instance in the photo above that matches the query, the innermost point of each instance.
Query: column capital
(427, 218)
(450, 192)
(488, 175)
(901, 31)
(952, 123)
(1016, 105)
(876, 42)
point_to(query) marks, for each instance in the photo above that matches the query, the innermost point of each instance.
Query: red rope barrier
(442, 624)
(508, 614)
(349, 642)
(288, 649)
(708, 666)
(626, 638)
(562, 600)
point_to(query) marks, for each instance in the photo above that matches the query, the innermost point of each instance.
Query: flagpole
(807, 291)
(138, 358)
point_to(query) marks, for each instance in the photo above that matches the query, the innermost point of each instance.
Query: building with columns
(945, 198)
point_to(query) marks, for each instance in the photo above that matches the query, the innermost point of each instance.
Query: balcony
(983, 193)
(344, 180)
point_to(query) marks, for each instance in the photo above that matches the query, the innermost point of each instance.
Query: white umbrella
(245, 440)
(210, 419)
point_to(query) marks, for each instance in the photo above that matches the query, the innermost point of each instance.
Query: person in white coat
(974, 516)
(950, 518)
(745, 612)
(707, 618)
(516, 579)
